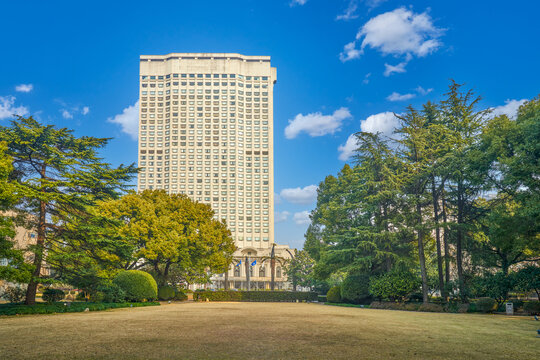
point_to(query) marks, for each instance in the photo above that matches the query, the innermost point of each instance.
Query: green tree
(57, 176)
(459, 114)
(299, 269)
(16, 269)
(170, 233)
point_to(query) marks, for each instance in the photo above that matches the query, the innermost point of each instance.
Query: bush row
(170, 293)
(255, 296)
(19, 309)
(484, 305)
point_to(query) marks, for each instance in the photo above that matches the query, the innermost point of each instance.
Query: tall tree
(416, 152)
(459, 114)
(57, 176)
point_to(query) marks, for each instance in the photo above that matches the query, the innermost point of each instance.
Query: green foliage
(532, 307)
(137, 285)
(112, 293)
(485, 304)
(528, 279)
(58, 177)
(178, 239)
(51, 295)
(299, 269)
(355, 288)
(430, 307)
(254, 296)
(334, 294)
(180, 295)
(166, 293)
(43, 308)
(496, 286)
(395, 285)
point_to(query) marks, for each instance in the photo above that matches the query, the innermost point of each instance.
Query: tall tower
(206, 130)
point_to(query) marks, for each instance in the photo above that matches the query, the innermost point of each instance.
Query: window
(262, 272)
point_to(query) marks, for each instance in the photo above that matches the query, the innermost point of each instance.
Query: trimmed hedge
(255, 296)
(334, 294)
(52, 295)
(138, 285)
(166, 293)
(355, 288)
(19, 309)
(485, 304)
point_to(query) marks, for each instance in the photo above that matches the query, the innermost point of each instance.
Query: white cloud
(297, 2)
(347, 150)
(85, 110)
(390, 69)
(423, 91)
(129, 120)
(302, 218)
(366, 79)
(384, 122)
(280, 216)
(350, 52)
(305, 195)
(7, 108)
(24, 88)
(316, 124)
(66, 114)
(509, 109)
(399, 97)
(399, 33)
(349, 13)
(374, 3)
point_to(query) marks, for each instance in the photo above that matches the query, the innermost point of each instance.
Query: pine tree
(57, 176)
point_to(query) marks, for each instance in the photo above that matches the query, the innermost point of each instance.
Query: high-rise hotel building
(206, 130)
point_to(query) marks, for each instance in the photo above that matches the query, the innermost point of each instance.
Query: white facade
(206, 130)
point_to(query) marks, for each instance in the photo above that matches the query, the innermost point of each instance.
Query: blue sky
(342, 66)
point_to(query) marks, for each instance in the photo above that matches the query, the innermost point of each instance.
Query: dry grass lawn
(266, 331)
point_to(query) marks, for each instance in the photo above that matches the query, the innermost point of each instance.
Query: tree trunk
(421, 255)
(226, 287)
(40, 248)
(459, 242)
(445, 241)
(272, 273)
(248, 285)
(438, 237)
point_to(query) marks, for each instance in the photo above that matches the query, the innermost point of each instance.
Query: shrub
(42, 308)
(52, 295)
(321, 298)
(334, 294)
(394, 285)
(485, 304)
(429, 307)
(255, 296)
(412, 306)
(180, 295)
(113, 293)
(97, 297)
(375, 305)
(532, 307)
(166, 293)
(137, 285)
(14, 294)
(355, 288)
(528, 279)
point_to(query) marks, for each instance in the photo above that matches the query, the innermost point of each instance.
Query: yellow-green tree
(170, 235)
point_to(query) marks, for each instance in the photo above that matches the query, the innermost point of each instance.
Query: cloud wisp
(302, 218)
(298, 195)
(317, 124)
(128, 120)
(24, 88)
(8, 108)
